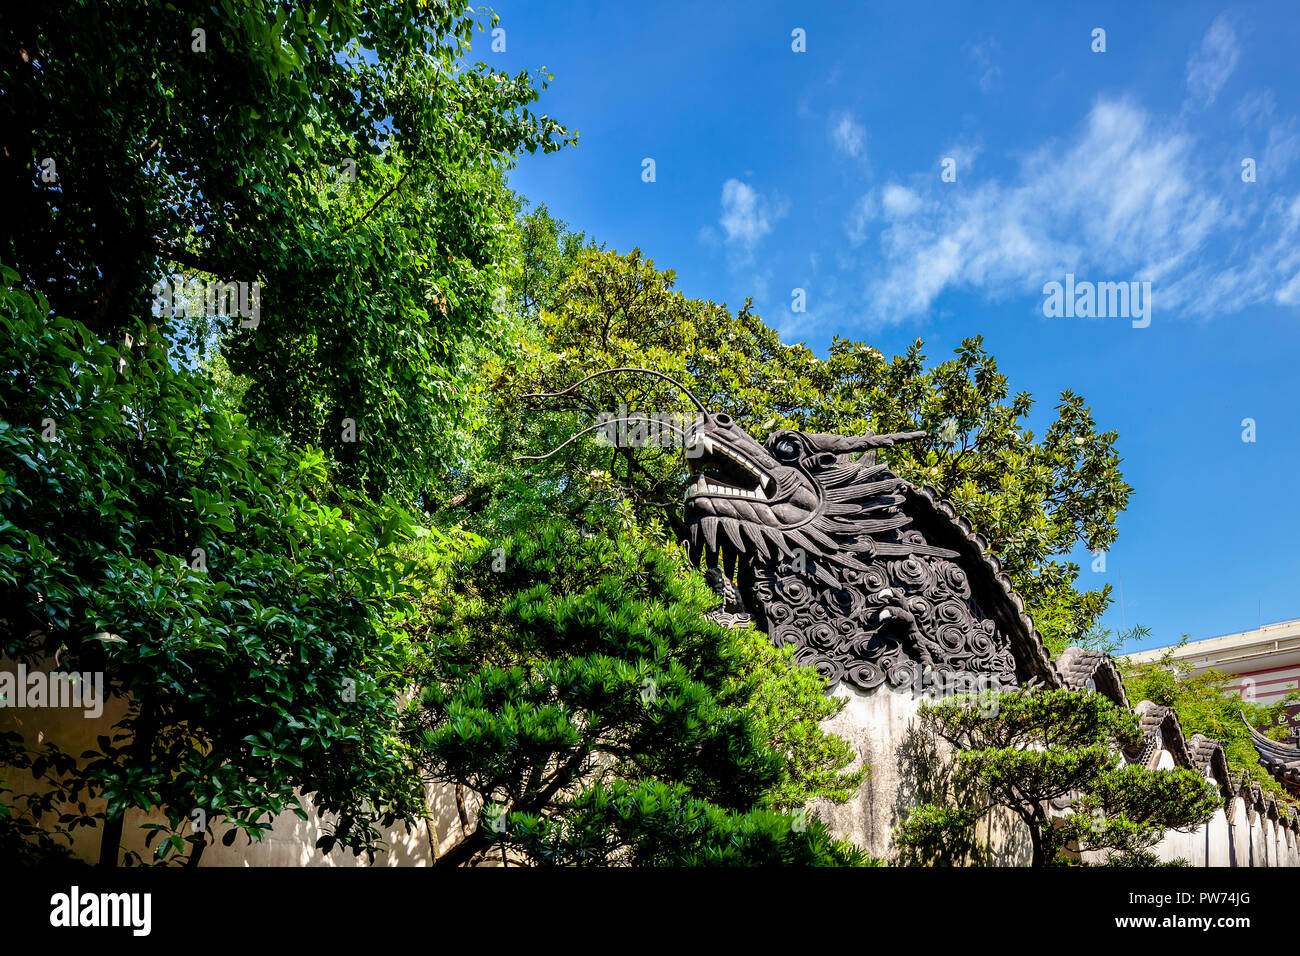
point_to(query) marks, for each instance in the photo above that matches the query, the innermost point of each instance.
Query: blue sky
(821, 170)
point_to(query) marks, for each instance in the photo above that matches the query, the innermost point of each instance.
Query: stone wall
(907, 767)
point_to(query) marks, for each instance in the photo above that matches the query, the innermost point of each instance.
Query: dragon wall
(889, 592)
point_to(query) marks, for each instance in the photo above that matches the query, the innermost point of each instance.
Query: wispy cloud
(898, 202)
(985, 55)
(1126, 197)
(1209, 68)
(964, 155)
(848, 135)
(744, 218)
(860, 217)
(747, 216)
(1256, 114)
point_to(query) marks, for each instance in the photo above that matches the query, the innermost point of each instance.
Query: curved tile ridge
(1258, 803)
(1160, 730)
(1092, 670)
(1280, 759)
(1211, 759)
(1031, 653)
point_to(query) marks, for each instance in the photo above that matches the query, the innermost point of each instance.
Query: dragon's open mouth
(721, 470)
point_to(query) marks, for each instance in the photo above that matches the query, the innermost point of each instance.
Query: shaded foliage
(148, 535)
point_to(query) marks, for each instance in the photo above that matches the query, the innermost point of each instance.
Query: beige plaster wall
(291, 841)
(907, 768)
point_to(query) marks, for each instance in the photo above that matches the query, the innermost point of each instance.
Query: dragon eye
(786, 448)
(723, 420)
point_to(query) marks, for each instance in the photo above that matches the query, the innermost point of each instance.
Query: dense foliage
(345, 156)
(575, 688)
(197, 538)
(149, 535)
(1035, 498)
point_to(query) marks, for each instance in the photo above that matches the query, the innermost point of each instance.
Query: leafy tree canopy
(206, 549)
(575, 688)
(1035, 498)
(346, 157)
(149, 535)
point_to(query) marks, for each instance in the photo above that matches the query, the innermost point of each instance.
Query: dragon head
(798, 495)
(891, 596)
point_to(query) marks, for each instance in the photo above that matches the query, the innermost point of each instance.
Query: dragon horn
(846, 444)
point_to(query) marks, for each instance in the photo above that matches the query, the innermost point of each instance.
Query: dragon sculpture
(834, 553)
(822, 546)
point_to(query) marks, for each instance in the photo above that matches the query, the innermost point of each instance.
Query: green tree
(549, 250)
(345, 156)
(1018, 751)
(1034, 498)
(148, 534)
(788, 705)
(574, 687)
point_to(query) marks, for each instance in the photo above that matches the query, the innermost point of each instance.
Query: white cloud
(1256, 107)
(984, 54)
(744, 214)
(860, 217)
(1279, 137)
(899, 202)
(747, 216)
(848, 135)
(1289, 294)
(964, 154)
(1281, 150)
(1125, 198)
(1210, 68)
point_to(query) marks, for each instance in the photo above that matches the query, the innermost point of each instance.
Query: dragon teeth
(711, 447)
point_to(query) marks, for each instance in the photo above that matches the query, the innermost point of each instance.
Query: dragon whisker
(604, 424)
(609, 371)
